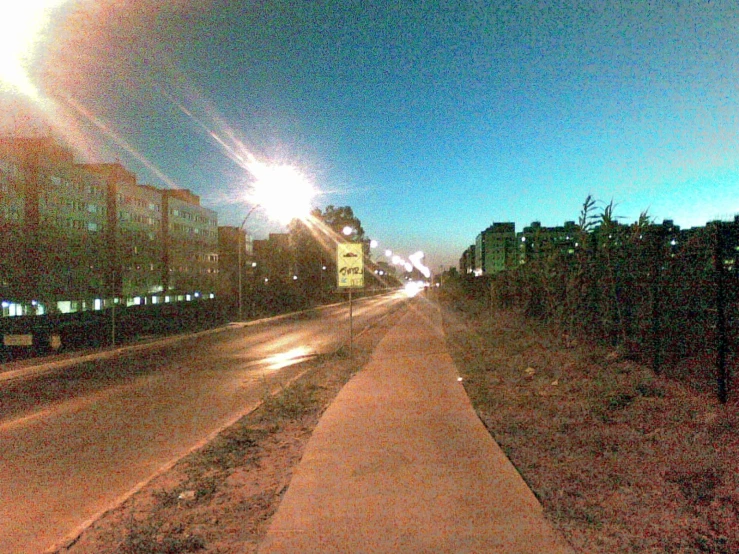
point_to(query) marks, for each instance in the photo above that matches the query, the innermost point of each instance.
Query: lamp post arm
(251, 211)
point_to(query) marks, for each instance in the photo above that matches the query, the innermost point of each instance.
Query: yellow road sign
(350, 266)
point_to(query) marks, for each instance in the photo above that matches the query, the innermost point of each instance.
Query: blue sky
(430, 119)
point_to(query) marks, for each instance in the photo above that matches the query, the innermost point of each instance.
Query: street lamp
(241, 262)
(282, 191)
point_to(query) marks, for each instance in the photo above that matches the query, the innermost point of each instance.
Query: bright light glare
(281, 190)
(388, 253)
(413, 288)
(373, 243)
(347, 230)
(416, 260)
(22, 27)
(284, 359)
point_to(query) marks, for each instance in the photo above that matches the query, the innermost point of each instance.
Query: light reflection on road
(291, 357)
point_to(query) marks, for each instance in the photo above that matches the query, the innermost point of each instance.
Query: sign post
(350, 275)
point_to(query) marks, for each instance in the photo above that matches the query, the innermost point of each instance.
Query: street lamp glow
(373, 243)
(22, 28)
(347, 231)
(281, 190)
(388, 253)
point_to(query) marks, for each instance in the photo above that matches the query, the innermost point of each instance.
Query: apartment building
(275, 258)
(495, 249)
(75, 236)
(135, 219)
(54, 222)
(190, 260)
(231, 239)
(467, 261)
(536, 241)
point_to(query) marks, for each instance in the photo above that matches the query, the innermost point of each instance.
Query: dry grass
(220, 498)
(622, 460)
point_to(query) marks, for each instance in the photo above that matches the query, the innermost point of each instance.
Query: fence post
(722, 339)
(492, 295)
(657, 262)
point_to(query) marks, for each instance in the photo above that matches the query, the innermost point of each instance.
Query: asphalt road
(76, 440)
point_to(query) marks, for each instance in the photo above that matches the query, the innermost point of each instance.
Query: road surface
(75, 441)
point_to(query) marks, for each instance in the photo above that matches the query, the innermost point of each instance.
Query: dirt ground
(623, 461)
(220, 499)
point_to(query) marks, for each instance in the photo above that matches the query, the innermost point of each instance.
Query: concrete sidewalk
(400, 463)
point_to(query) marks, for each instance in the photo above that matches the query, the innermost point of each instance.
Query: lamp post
(282, 191)
(241, 262)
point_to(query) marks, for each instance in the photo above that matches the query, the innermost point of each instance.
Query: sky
(431, 119)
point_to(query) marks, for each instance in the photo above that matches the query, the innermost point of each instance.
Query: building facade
(536, 241)
(76, 237)
(495, 249)
(190, 259)
(231, 239)
(275, 258)
(467, 261)
(55, 226)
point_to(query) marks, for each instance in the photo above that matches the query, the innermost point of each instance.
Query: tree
(314, 244)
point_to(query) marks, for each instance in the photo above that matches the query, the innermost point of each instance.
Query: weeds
(697, 485)
(619, 400)
(148, 538)
(623, 460)
(648, 389)
(292, 402)
(232, 448)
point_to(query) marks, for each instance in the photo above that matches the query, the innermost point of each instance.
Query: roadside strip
(34, 367)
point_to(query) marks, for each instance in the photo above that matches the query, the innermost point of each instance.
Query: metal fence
(667, 299)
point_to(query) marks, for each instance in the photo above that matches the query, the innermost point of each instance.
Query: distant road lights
(388, 253)
(417, 261)
(347, 231)
(373, 243)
